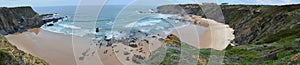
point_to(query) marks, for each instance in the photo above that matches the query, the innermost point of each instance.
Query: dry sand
(205, 33)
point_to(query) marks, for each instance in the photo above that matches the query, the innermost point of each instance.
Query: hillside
(264, 34)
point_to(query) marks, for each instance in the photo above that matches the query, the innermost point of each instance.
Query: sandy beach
(204, 33)
(61, 49)
(53, 47)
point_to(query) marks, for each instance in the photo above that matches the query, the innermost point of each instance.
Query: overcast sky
(13, 3)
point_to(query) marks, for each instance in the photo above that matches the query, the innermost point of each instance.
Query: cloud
(288, 1)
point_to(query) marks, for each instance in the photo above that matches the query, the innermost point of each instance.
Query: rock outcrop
(18, 19)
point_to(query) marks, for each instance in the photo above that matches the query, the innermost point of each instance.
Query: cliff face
(18, 19)
(252, 23)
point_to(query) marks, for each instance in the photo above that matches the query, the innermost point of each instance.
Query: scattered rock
(133, 45)
(138, 59)
(126, 53)
(81, 58)
(127, 59)
(50, 25)
(97, 30)
(105, 52)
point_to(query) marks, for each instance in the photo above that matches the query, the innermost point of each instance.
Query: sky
(14, 3)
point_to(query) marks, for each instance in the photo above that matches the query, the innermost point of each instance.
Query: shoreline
(71, 50)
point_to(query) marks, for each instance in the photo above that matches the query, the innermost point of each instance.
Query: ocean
(112, 21)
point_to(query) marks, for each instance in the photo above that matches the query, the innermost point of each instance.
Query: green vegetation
(3, 54)
(172, 57)
(277, 49)
(284, 35)
(173, 52)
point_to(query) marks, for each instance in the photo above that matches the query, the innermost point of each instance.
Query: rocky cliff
(14, 20)
(18, 19)
(267, 35)
(252, 23)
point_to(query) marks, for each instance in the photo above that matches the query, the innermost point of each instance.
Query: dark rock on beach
(138, 59)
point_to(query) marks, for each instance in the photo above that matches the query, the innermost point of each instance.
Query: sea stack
(97, 30)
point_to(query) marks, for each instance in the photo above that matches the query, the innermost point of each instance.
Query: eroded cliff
(18, 19)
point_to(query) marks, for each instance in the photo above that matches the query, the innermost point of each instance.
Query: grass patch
(171, 56)
(3, 52)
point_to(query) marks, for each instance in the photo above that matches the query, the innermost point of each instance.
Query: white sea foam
(150, 24)
(165, 16)
(69, 26)
(143, 23)
(53, 29)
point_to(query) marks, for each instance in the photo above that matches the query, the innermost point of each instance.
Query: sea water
(112, 20)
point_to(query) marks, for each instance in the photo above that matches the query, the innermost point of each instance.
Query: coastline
(270, 34)
(60, 49)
